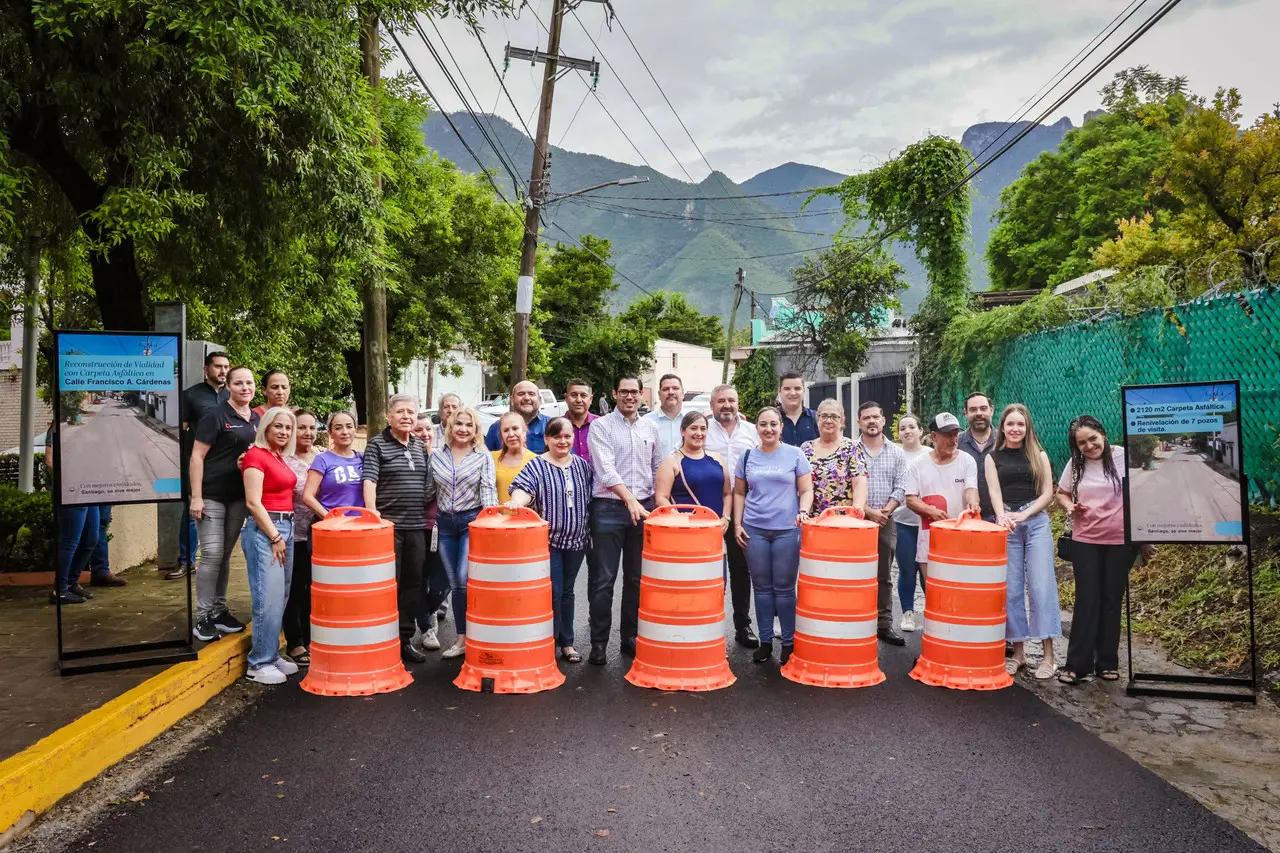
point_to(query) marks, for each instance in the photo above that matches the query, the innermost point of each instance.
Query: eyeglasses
(628, 393)
(828, 416)
(408, 458)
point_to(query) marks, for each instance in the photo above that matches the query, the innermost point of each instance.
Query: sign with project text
(117, 420)
(1185, 478)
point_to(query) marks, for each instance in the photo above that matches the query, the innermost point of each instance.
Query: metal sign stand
(107, 658)
(1211, 687)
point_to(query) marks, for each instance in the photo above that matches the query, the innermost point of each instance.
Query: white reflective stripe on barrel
(710, 570)
(828, 630)
(508, 635)
(353, 575)
(509, 572)
(963, 573)
(838, 570)
(365, 635)
(703, 632)
(957, 633)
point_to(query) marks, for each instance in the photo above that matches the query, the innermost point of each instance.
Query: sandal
(301, 656)
(1045, 670)
(1068, 677)
(1109, 675)
(1012, 665)
(570, 654)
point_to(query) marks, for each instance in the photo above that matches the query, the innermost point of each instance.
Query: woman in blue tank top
(692, 475)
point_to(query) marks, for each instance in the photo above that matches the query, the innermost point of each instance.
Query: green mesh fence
(1080, 369)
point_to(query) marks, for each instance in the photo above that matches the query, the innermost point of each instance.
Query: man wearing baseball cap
(942, 484)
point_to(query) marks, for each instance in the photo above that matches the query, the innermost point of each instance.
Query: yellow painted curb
(39, 776)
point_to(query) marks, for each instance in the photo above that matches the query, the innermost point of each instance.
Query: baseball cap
(944, 422)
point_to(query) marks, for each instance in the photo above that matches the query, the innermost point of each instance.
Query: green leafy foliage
(28, 533)
(841, 297)
(671, 316)
(756, 381)
(974, 343)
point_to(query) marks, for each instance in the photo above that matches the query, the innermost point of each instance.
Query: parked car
(697, 403)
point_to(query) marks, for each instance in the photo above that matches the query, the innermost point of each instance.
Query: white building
(698, 371)
(11, 391)
(457, 373)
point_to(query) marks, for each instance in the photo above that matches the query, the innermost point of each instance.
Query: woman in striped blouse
(464, 479)
(557, 485)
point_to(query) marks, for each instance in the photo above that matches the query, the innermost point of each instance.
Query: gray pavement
(115, 444)
(1182, 492)
(599, 764)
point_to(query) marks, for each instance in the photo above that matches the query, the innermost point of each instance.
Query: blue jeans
(773, 557)
(908, 535)
(564, 573)
(453, 542)
(188, 536)
(77, 537)
(1032, 582)
(268, 586)
(614, 540)
(100, 559)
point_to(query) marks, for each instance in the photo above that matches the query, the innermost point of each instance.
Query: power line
(977, 170)
(657, 214)
(502, 85)
(715, 197)
(423, 83)
(508, 167)
(1064, 72)
(683, 127)
(588, 250)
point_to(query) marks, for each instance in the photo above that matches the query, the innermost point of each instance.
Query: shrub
(9, 471)
(28, 531)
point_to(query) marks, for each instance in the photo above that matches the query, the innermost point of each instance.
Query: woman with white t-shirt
(1091, 490)
(941, 484)
(908, 523)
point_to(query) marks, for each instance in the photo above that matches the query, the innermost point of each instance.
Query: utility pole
(552, 62)
(375, 289)
(733, 316)
(27, 408)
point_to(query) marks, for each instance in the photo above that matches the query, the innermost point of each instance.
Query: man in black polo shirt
(195, 401)
(397, 486)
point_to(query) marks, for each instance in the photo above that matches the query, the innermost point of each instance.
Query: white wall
(697, 370)
(469, 386)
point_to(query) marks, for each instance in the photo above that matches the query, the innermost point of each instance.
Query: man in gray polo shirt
(396, 486)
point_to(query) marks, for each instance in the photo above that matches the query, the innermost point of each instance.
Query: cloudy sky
(840, 83)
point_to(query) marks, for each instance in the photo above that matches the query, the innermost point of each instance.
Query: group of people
(257, 475)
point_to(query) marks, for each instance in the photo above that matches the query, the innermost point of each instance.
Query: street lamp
(528, 253)
(621, 182)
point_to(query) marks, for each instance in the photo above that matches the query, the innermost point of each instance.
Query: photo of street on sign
(1182, 446)
(118, 418)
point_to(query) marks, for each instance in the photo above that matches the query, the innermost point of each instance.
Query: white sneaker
(286, 666)
(430, 640)
(457, 650)
(268, 674)
(416, 640)
(909, 622)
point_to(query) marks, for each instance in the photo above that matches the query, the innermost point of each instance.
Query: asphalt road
(762, 765)
(113, 445)
(1183, 493)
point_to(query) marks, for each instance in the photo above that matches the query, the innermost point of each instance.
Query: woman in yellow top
(511, 459)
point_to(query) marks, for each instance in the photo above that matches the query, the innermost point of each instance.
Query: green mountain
(696, 244)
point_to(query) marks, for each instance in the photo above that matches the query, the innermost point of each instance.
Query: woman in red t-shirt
(268, 540)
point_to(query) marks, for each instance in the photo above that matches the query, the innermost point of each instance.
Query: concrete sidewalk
(35, 701)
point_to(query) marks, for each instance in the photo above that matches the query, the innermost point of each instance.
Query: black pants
(297, 611)
(411, 556)
(887, 544)
(1102, 575)
(435, 585)
(739, 581)
(614, 539)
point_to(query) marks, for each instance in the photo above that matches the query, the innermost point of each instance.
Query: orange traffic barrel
(680, 644)
(510, 647)
(836, 643)
(962, 646)
(355, 619)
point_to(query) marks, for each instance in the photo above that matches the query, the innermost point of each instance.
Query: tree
(842, 296)
(756, 381)
(671, 316)
(1068, 201)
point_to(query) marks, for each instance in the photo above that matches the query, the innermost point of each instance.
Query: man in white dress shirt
(625, 454)
(731, 435)
(668, 415)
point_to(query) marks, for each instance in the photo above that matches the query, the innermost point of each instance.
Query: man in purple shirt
(577, 397)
